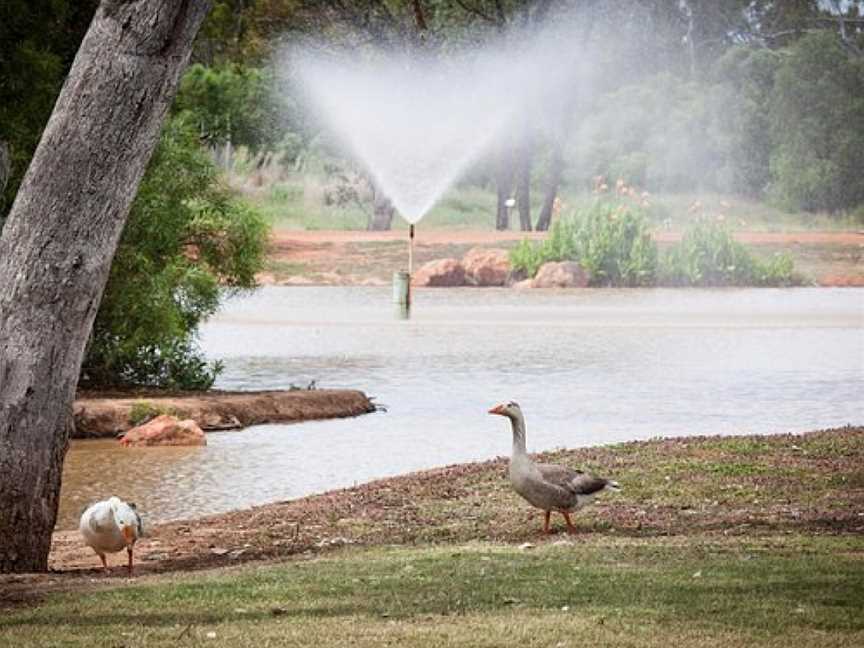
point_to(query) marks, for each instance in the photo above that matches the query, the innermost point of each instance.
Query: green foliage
(186, 241)
(788, 122)
(232, 103)
(742, 127)
(229, 32)
(817, 113)
(143, 411)
(38, 40)
(778, 270)
(708, 255)
(613, 243)
(653, 133)
(527, 257)
(610, 239)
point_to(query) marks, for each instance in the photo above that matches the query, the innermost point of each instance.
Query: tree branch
(472, 9)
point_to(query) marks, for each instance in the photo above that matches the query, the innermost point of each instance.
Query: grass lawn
(735, 541)
(702, 592)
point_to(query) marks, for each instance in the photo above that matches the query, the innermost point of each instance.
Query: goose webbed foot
(546, 529)
(570, 528)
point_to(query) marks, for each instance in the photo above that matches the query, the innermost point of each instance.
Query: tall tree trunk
(504, 187)
(5, 165)
(690, 36)
(553, 181)
(382, 212)
(57, 246)
(5, 172)
(523, 181)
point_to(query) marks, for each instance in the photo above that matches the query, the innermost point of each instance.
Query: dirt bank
(488, 237)
(756, 486)
(829, 258)
(108, 415)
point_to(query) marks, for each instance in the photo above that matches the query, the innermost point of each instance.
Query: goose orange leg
(570, 527)
(129, 551)
(104, 563)
(546, 524)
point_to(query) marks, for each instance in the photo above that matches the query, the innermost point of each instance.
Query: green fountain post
(402, 280)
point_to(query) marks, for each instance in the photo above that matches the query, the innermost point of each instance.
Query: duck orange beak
(498, 409)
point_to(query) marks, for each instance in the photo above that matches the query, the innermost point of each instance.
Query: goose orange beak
(498, 409)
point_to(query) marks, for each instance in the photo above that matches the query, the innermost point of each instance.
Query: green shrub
(779, 270)
(177, 364)
(708, 255)
(143, 411)
(186, 243)
(614, 244)
(527, 257)
(610, 239)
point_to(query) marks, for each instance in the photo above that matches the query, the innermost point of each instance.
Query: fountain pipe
(402, 279)
(411, 249)
(410, 261)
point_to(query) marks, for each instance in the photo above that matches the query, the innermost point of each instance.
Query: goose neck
(518, 423)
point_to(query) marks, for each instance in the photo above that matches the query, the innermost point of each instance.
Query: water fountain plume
(416, 125)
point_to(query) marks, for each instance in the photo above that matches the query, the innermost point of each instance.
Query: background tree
(817, 111)
(233, 105)
(57, 246)
(743, 82)
(38, 40)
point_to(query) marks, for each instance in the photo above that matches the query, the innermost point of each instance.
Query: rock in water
(561, 274)
(165, 430)
(440, 273)
(486, 267)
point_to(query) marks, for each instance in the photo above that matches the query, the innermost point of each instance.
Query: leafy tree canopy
(232, 103)
(817, 121)
(38, 41)
(186, 236)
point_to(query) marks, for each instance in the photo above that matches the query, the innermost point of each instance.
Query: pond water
(587, 366)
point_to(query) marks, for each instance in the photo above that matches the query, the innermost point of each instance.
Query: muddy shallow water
(588, 367)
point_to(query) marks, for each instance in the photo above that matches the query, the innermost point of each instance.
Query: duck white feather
(110, 526)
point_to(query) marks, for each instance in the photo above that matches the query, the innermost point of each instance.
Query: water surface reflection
(590, 366)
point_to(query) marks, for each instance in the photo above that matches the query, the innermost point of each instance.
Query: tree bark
(503, 187)
(59, 240)
(553, 181)
(382, 212)
(523, 182)
(5, 165)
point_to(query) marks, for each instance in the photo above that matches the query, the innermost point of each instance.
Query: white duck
(109, 526)
(549, 487)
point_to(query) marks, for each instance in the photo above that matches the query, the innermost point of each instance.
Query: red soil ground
(830, 258)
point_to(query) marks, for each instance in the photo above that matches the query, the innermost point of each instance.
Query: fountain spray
(415, 124)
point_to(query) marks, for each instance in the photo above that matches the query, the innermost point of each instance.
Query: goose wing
(97, 519)
(139, 525)
(574, 481)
